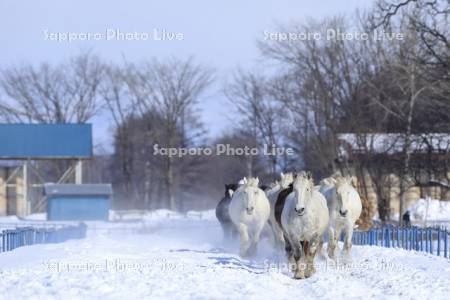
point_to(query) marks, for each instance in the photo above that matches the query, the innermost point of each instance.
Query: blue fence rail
(429, 239)
(24, 236)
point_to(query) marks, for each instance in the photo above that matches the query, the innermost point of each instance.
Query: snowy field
(177, 257)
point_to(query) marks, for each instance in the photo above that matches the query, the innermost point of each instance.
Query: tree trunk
(170, 184)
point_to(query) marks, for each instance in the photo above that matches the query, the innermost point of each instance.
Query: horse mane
(337, 179)
(264, 187)
(252, 182)
(328, 181)
(286, 179)
(342, 181)
(274, 184)
(287, 175)
(302, 176)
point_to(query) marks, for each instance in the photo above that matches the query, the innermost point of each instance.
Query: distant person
(406, 219)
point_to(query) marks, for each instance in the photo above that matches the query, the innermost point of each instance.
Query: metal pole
(25, 188)
(79, 172)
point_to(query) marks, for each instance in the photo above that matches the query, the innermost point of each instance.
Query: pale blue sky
(220, 34)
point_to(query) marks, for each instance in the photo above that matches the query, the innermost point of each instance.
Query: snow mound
(9, 219)
(37, 217)
(437, 210)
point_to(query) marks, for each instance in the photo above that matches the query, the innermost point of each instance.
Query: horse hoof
(331, 255)
(299, 275)
(310, 272)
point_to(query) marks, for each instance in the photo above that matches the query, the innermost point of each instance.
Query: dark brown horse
(222, 214)
(279, 205)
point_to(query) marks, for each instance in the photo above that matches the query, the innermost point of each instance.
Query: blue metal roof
(40, 141)
(51, 189)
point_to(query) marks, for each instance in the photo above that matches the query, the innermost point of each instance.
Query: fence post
(415, 238)
(439, 241)
(403, 238)
(445, 243)
(431, 241)
(388, 237)
(412, 239)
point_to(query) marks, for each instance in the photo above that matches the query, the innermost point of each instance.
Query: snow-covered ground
(178, 257)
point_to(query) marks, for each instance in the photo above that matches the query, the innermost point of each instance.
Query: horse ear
(352, 180)
(230, 192)
(308, 175)
(245, 179)
(257, 181)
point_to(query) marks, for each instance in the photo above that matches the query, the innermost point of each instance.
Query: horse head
(229, 189)
(251, 192)
(243, 181)
(286, 180)
(343, 191)
(303, 188)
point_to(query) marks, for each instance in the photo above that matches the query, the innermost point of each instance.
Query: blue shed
(78, 202)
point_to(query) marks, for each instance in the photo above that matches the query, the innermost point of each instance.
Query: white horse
(249, 210)
(304, 220)
(272, 195)
(345, 208)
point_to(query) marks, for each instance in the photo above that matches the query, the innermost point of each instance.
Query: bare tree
(408, 84)
(430, 19)
(115, 94)
(66, 93)
(172, 90)
(317, 81)
(261, 115)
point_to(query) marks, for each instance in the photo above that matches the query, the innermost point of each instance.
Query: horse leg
(320, 247)
(226, 230)
(337, 236)
(300, 259)
(279, 235)
(255, 239)
(290, 254)
(274, 234)
(333, 238)
(310, 252)
(233, 231)
(331, 243)
(348, 238)
(243, 233)
(268, 229)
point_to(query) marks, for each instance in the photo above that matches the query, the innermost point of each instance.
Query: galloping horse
(302, 213)
(222, 214)
(345, 208)
(272, 195)
(249, 210)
